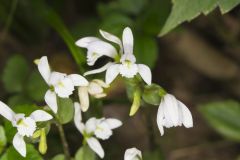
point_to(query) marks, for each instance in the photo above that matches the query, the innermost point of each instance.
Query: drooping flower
(26, 126)
(133, 154)
(173, 113)
(95, 129)
(60, 84)
(126, 66)
(95, 88)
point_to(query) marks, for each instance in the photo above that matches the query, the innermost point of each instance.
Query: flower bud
(43, 142)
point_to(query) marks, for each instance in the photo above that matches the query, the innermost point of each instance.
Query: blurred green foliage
(223, 117)
(24, 85)
(65, 110)
(85, 153)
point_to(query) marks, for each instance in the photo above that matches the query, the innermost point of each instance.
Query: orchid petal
(113, 123)
(127, 39)
(94, 144)
(91, 125)
(56, 77)
(187, 119)
(40, 116)
(132, 154)
(145, 73)
(171, 110)
(51, 100)
(44, 68)
(78, 80)
(84, 42)
(102, 48)
(19, 144)
(7, 112)
(99, 70)
(160, 116)
(112, 73)
(78, 117)
(111, 37)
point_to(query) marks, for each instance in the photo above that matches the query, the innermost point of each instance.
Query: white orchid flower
(173, 113)
(133, 154)
(26, 126)
(127, 66)
(60, 84)
(95, 88)
(96, 49)
(95, 129)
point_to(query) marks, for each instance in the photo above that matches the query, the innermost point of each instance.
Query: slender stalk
(64, 142)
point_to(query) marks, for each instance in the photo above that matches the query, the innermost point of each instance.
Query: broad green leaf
(59, 157)
(65, 110)
(3, 138)
(85, 153)
(36, 87)
(224, 117)
(152, 94)
(186, 10)
(15, 74)
(12, 154)
(145, 50)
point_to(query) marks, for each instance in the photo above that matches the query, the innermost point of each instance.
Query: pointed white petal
(99, 70)
(6, 112)
(113, 123)
(51, 100)
(132, 154)
(96, 146)
(111, 73)
(84, 42)
(19, 144)
(78, 80)
(44, 68)
(102, 48)
(127, 39)
(40, 116)
(78, 117)
(171, 110)
(160, 117)
(83, 98)
(111, 37)
(145, 73)
(187, 119)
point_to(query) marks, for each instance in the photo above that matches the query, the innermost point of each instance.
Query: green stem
(64, 142)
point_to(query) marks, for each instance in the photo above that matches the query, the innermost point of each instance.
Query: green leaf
(36, 87)
(59, 157)
(15, 74)
(153, 93)
(146, 50)
(85, 153)
(224, 117)
(65, 110)
(12, 154)
(3, 138)
(186, 10)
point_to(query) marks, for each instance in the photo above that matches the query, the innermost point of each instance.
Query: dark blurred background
(198, 62)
